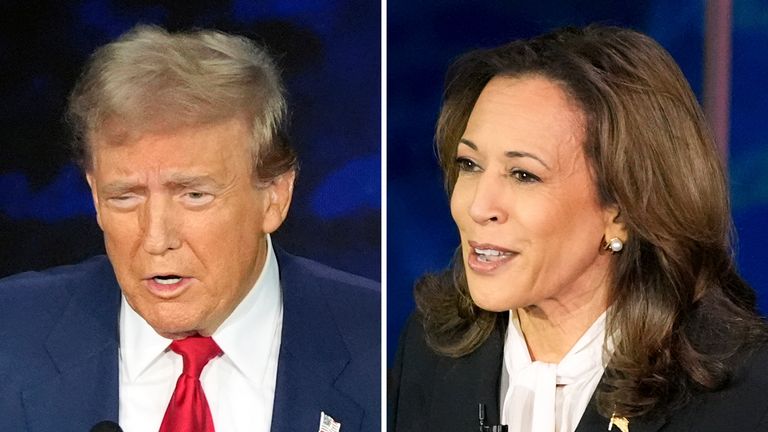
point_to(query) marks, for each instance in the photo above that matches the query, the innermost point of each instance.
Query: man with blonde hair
(194, 320)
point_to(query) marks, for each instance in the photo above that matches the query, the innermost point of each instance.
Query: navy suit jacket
(59, 348)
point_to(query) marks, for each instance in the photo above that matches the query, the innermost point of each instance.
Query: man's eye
(467, 165)
(124, 201)
(197, 198)
(524, 176)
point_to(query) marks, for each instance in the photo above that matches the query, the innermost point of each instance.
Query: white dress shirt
(239, 385)
(538, 396)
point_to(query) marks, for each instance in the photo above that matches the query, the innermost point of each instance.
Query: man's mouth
(167, 285)
(167, 279)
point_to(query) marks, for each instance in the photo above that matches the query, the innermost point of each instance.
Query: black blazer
(430, 392)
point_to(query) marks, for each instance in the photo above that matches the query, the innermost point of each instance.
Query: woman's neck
(552, 328)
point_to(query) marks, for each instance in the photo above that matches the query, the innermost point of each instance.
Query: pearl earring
(615, 245)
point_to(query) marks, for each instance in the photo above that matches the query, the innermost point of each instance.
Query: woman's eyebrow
(516, 154)
(509, 154)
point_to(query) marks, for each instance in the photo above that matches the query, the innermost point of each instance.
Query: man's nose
(160, 227)
(486, 205)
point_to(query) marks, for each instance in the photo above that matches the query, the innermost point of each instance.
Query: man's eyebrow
(191, 180)
(509, 154)
(118, 187)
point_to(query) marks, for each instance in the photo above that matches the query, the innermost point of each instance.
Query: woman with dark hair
(594, 287)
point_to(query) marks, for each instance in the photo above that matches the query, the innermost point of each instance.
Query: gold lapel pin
(620, 422)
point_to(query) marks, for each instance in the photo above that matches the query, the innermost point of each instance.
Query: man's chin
(179, 335)
(175, 328)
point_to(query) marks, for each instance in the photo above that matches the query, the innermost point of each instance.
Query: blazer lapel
(592, 421)
(641, 425)
(461, 384)
(467, 379)
(83, 347)
(312, 359)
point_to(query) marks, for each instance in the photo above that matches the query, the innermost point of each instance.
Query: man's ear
(279, 192)
(614, 224)
(95, 196)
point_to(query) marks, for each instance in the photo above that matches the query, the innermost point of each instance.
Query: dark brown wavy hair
(679, 306)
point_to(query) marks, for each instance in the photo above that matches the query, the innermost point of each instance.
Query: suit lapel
(312, 358)
(83, 347)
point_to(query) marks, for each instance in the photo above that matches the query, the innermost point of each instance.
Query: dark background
(330, 55)
(424, 37)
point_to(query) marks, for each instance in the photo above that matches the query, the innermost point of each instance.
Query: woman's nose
(486, 205)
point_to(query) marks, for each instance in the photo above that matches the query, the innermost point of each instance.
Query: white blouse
(548, 397)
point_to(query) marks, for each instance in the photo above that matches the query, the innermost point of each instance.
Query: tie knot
(196, 351)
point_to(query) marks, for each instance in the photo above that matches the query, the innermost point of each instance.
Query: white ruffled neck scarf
(548, 397)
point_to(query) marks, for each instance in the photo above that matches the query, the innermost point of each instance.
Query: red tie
(188, 409)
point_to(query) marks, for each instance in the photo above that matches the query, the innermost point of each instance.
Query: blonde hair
(151, 80)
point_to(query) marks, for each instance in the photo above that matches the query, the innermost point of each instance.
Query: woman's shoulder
(413, 351)
(433, 391)
(753, 367)
(740, 405)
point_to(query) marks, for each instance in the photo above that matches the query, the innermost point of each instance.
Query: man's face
(184, 224)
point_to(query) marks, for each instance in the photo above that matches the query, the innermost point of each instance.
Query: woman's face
(525, 200)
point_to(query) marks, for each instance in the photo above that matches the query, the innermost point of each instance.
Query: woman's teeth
(489, 255)
(490, 252)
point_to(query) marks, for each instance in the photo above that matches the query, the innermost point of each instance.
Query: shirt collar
(243, 336)
(254, 326)
(140, 345)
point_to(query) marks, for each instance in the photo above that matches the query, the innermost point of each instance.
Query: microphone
(483, 426)
(106, 426)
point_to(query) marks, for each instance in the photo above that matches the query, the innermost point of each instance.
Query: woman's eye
(467, 165)
(524, 176)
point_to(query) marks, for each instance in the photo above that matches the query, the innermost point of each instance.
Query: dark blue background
(423, 39)
(329, 52)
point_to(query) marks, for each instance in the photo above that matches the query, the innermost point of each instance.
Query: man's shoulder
(33, 304)
(42, 288)
(40, 297)
(350, 304)
(57, 276)
(328, 281)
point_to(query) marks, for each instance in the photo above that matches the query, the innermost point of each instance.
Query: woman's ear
(614, 224)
